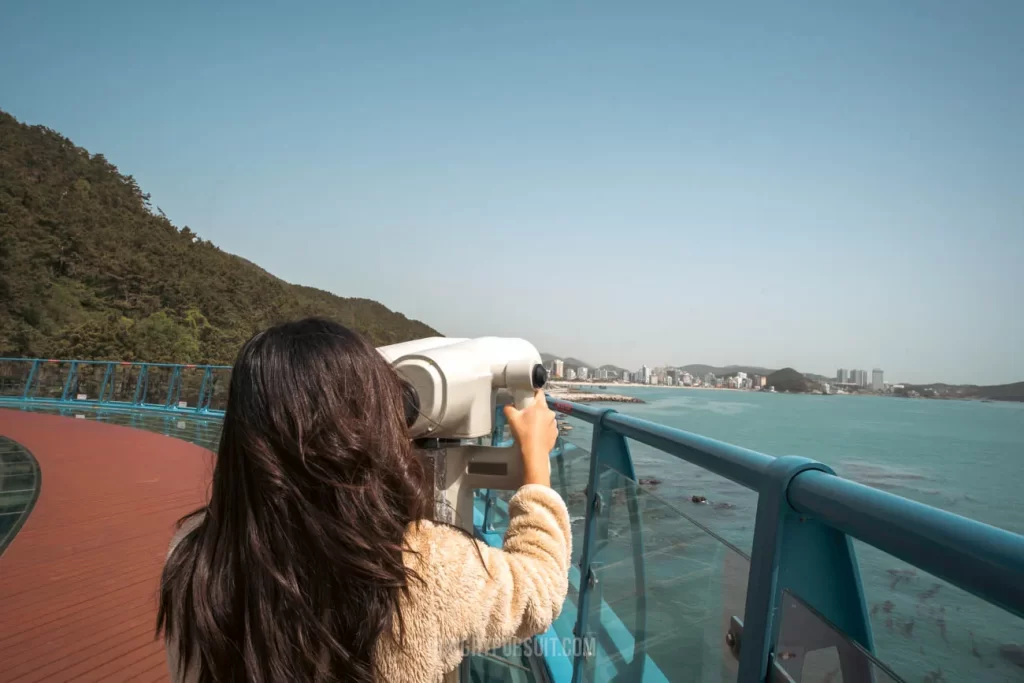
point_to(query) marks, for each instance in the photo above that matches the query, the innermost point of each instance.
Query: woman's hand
(535, 431)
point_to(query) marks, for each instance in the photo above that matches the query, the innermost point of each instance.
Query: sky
(806, 184)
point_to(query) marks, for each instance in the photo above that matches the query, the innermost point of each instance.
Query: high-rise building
(570, 374)
(876, 380)
(645, 374)
(862, 378)
(841, 376)
(625, 375)
(559, 368)
(582, 372)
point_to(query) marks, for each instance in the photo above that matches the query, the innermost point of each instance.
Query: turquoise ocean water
(964, 457)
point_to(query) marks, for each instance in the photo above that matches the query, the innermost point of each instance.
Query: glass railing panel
(725, 507)
(157, 382)
(809, 649)
(666, 591)
(505, 665)
(48, 382)
(190, 383)
(926, 629)
(123, 382)
(570, 468)
(221, 381)
(86, 382)
(13, 375)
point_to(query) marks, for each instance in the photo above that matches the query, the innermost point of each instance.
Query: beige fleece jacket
(459, 607)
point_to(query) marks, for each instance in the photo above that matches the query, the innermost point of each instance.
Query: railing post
(172, 387)
(608, 451)
(108, 376)
(805, 556)
(72, 376)
(489, 495)
(488, 524)
(28, 381)
(202, 404)
(141, 385)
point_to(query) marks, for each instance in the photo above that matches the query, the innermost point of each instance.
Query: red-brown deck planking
(79, 582)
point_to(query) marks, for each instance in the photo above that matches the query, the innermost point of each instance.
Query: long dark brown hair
(295, 569)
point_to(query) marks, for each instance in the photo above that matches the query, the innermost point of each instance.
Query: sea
(966, 457)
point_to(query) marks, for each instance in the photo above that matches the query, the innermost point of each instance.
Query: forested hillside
(88, 269)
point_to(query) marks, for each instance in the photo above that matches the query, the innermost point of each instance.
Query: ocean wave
(854, 469)
(889, 477)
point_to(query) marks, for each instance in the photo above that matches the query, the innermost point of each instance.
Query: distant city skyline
(806, 185)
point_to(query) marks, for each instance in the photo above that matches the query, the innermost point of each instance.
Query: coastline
(634, 385)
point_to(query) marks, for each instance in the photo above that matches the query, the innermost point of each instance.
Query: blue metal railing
(115, 385)
(802, 551)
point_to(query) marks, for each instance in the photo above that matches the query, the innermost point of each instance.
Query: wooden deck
(78, 583)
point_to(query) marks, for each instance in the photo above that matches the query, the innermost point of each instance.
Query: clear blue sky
(815, 184)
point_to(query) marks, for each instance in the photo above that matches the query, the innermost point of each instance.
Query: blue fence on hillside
(656, 593)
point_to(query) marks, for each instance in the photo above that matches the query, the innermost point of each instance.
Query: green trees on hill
(788, 379)
(89, 270)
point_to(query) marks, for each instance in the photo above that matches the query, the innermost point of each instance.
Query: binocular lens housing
(539, 376)
(450, 387)
(411, 397)
(411, 402)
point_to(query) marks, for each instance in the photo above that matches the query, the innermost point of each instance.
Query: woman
(313, 561)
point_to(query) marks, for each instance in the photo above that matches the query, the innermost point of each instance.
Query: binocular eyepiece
(451, 387)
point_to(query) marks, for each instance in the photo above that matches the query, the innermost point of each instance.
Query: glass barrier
(49, 378)
(926, 629)
(665, 592)
(220, 381)
(809, 649)
(725, 507)
(506, 665)
(86, 382)
(202, 431)
(13, 375)
(19, 483)
(570, 468)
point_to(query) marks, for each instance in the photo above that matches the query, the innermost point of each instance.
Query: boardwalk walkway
(78, 583)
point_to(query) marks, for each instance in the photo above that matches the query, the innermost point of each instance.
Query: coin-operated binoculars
(453, 388)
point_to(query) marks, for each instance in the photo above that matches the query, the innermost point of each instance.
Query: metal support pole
(798, 553)
(107, 377)
(141, 385)
(172, 387)
(28, 382)
(203, 402)
(72, 376)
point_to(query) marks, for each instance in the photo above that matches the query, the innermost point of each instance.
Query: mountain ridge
(88, 269)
